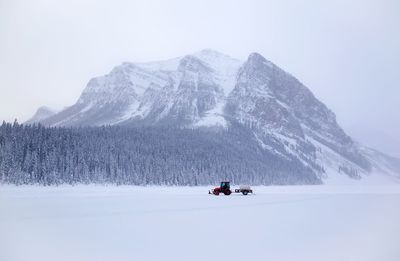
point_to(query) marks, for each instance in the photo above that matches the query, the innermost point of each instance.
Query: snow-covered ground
(185, 223)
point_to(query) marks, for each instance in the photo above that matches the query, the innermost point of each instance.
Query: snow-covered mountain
(210, 89)
(186, 90)
(42, 113)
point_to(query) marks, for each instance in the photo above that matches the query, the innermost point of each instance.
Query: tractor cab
(225, 185)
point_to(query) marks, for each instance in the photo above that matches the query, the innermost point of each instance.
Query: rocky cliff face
(287, 118)
(210, 89)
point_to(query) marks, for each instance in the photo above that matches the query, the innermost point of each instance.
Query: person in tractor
(224, 186)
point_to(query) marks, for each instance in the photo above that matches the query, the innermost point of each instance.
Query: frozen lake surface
(185, 223)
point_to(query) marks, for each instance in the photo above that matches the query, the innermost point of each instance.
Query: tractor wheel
(216, 193)
(245, 192)
(227, 192)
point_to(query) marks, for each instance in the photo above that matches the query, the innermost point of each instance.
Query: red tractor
(225, 188)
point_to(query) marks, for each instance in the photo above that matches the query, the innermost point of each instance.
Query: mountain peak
(191, 63)
(210, 54)
(41, 113)
(45, 109)
(208, 51)
(257, 58)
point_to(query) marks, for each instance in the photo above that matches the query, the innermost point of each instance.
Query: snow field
(177, 223)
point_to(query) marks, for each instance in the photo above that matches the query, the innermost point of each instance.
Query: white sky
(346, 52)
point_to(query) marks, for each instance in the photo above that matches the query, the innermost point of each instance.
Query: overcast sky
(346, 52)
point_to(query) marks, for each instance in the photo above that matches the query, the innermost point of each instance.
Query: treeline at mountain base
(34, 154)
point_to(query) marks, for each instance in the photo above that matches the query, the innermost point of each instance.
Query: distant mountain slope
(41, 114)
(210, 89)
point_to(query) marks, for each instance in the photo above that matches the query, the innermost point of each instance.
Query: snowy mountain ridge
(42, 113)
(211, 89)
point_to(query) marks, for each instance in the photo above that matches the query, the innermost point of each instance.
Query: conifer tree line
(35, 154)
